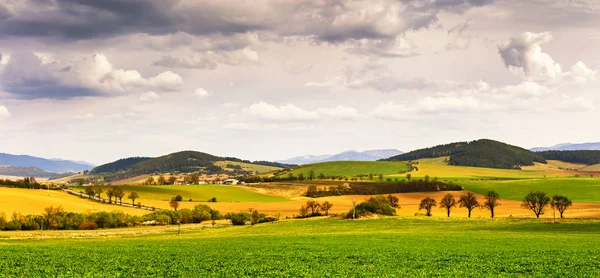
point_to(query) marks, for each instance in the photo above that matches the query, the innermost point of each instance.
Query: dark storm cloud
(84, 19)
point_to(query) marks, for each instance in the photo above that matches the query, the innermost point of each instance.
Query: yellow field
(31, 201)
(436, 167)
(565, 165)
(594, 168)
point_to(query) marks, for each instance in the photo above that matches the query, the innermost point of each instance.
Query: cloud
(209, 59)
(87, 116)
(340, 113)
(149, 96)
(284, 113)
(4, 113)
(202, 93)
(523, 53)
(580, 73)
(28, 76)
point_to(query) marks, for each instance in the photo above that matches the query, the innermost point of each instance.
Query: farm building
(231, 181)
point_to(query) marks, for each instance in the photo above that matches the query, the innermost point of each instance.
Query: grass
(223, 193)
(261, 169)
(578, 189)
(392, 247)
(352, 168)
(32, 201)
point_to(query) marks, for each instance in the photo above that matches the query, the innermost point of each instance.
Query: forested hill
(581, 157)
(184, 162)
(480, 153)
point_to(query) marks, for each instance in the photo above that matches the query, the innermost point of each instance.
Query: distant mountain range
(16, 171)
(570, 147)
(370, 155)
(48, 165)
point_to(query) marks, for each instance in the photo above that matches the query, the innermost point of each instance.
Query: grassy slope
(31, 201)
(578, 189)
(248, 167)
(352, 168)
(370, 248)
(223, 193)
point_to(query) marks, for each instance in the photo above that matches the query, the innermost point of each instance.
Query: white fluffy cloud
(87, 116)
(284, 113)
(4, 113)
(202, 93)
(149, 96)
(581, 73)
(524, 53)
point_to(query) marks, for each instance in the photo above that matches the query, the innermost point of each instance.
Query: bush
(374, 205)
(88, 225)
(178, 198)
(238, 218)
(212, 200)
(13, 226)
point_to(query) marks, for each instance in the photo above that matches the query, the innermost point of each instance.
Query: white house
(231, 181)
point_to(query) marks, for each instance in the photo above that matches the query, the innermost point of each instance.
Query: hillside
(350, 169)
(480, 153)
(569, 147)
(369, 155)
(588, 157)
(182, 162)
(49, 165)
(25, 172)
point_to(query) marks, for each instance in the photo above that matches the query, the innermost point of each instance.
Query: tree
(110, 193)
(313, 206)
(427, 204)
(393, 200)
(448, 202)
(119, 193)
(99, 191)
(380, 177)
(301, 177)
(161, 180)
(468, 201)
(371, 177)
(561, 203)
(536, 202)
(326, 206)
(174, 204)
(408, 177)
(491, 201)
(149, 181)
(178, 198)
(172, 179)
(303, 211)
(321, 176)
(132, 196)
(90, 192)
(311, 175)
(254, 217)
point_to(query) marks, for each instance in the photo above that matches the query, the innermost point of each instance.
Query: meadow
(393, 247)
(352, 168)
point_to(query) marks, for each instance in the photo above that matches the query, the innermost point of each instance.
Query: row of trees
(313, 208)
(113, 192)
(28, 182)
(534, 201)
(369, 188)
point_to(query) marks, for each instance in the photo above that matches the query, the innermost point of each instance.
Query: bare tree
(491, 201)
(536, 202)
(468, 201)
(427, 204)
(394, 202)
(303, 211)
(326, 206)
(448, 202)
(561, 203)
(132, 196)
(313, 206)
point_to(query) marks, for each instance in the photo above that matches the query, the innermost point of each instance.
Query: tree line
(367, 188)
(582, 157)
(28, 182)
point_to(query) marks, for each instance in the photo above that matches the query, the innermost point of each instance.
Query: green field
(352, 168)
(578, 189)
(392, 247)
(223, 193)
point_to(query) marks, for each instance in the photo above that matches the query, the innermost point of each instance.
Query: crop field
(352, 168)
(32, 201)
(578, 189)
(320, 248)
(247, 167)
(223, 193)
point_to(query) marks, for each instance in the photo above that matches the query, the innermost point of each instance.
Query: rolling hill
(184, 162)
(49, 165)
(587, 157)
(369, 155)
(569, 147)
(480, 153)
(6, 170)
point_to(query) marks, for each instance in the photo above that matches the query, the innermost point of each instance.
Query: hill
(480, 153)
(569, 147)
(49, 165)
(182, 162)
(351, 168)
(588, 157)
(25, 172)
(369, 155)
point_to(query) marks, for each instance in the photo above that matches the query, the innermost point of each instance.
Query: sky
(266, 80)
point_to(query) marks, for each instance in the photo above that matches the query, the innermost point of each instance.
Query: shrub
(374, 205)
(88, 225)
(13, 226)
(238, 218)
(178, 198)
